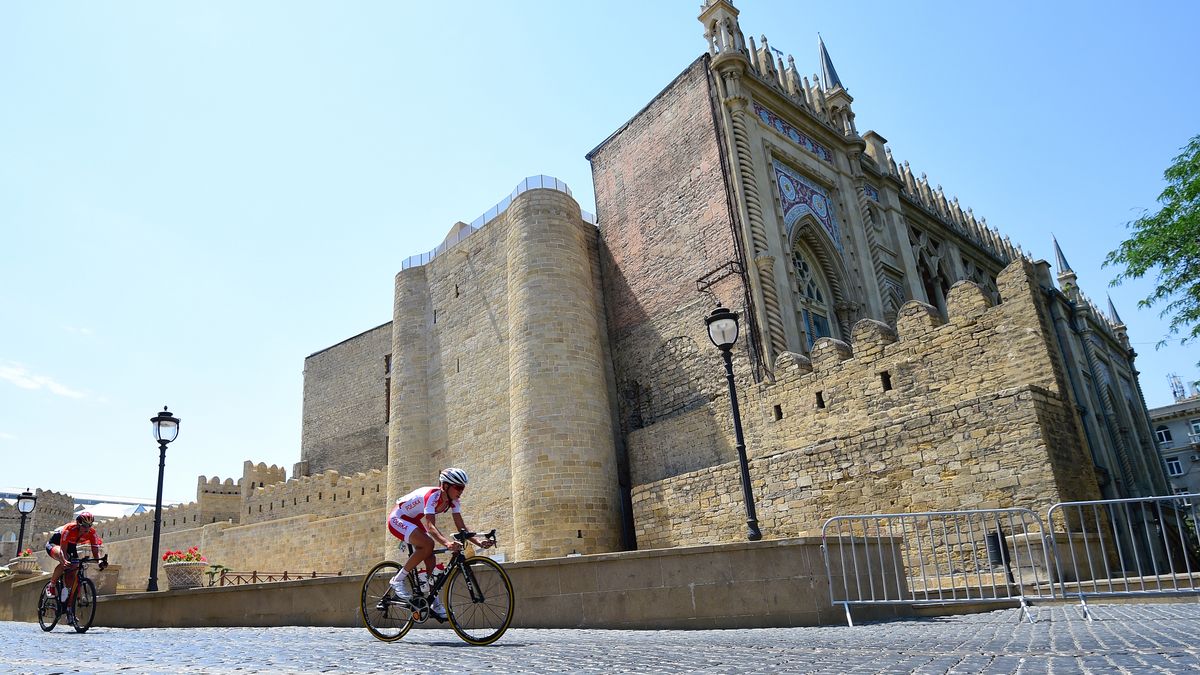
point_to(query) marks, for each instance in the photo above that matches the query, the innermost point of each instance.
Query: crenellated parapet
(260, 475)
(953, 347)
(174, 518)
(326, 494)
(219, 500)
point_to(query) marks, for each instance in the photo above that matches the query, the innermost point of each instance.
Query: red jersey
(72, 535)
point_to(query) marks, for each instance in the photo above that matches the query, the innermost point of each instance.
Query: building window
(1174, 466)
(814, 304)
(1163, 434)
(1195, 427)
(1182, 502)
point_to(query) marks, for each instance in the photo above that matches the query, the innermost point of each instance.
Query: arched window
(935, 281)
(814, 296)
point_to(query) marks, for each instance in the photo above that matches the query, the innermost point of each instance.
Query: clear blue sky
(196, 196)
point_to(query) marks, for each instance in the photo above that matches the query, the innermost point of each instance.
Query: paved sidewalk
(1144, 638)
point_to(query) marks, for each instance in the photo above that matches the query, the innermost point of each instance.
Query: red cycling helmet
(85, 518)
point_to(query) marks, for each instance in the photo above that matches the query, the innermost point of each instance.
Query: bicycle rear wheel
(479, 600)
(386, 618)
(83, 606)
(47, 611)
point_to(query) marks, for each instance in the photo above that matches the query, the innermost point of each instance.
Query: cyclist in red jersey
(65, 540)
(414, 520)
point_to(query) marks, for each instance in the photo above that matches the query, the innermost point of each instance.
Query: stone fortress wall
(344, 423)
(500, 348)
(53, 509)
(263, 522)
(450, 391)
(967, 413)
(327, 495)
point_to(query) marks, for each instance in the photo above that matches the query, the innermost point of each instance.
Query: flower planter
(24, 565)
(187, 574)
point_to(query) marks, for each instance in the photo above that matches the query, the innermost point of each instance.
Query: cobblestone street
(1124, 638)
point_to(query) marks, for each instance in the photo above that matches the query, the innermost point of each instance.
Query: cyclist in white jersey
(414, 520)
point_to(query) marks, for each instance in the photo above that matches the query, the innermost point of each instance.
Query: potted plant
(185, 569)
(25, 562)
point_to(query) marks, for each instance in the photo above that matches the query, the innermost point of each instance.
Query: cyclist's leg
(422, 545)
(56, 553)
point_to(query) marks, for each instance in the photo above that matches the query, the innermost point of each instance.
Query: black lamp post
(166, 428)
(723, 331)
(25, 504)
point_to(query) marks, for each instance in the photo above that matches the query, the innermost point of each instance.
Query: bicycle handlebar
(462, 536)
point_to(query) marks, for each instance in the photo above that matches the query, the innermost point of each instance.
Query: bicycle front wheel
(83, 606)
(47, 611)
(479, 600)
(386, 618)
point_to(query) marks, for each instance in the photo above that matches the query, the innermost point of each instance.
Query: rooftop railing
(530, 183)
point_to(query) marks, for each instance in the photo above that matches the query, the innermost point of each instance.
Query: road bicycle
(80, 605)
(478, 597)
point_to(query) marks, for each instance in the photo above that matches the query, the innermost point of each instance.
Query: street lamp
(166, 428)
(25, 504)
(723, 331)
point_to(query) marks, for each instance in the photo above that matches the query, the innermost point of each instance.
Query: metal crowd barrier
(935, 557)
(1125, 547)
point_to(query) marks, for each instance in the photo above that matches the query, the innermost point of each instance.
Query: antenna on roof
(1177, 387)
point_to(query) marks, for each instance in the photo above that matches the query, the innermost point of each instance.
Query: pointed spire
(1063, 266)
(1112, 313)
(828, 74)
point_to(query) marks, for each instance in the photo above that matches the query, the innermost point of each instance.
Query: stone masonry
(500, 360)
(344, 420)
(988, 428)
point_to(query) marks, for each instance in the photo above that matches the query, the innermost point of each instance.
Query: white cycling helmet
(453, 476)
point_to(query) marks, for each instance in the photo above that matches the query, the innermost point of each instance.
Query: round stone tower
(564, 476)
(408, 424)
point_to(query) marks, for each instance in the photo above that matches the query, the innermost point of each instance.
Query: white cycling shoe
(437, 610)
(400, 588)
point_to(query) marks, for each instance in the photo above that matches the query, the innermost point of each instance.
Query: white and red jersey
(421, 502)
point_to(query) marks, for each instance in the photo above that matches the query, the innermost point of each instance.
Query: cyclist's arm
(432, 529)
(462, 525)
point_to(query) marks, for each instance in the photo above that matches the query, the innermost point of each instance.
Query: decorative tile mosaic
(772, 120)
(871, 190)
(800, 196)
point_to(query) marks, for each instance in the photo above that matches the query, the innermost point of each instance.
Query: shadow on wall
(667, 385)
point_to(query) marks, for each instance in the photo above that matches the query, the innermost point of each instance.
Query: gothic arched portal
(819, 287)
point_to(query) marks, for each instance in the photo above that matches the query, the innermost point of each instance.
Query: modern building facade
(1177, 432)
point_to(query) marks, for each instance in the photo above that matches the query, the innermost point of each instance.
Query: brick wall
(664, 223)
